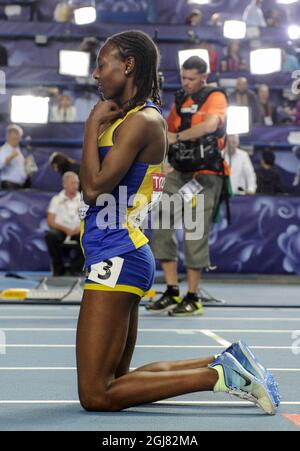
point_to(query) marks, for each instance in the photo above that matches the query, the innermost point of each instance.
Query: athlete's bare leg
(124, 366)
(102, 336)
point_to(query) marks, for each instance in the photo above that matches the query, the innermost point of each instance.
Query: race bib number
(190, 189)
(107, 272)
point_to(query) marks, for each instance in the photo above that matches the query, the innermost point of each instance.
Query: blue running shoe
(247, 359)
(235, 380)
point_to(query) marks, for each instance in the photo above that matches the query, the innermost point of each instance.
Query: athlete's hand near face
(103, 113)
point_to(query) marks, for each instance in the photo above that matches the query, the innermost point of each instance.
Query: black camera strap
(199, 98)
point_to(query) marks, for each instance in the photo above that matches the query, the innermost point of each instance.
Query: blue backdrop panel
(264, 237)
(22, 227)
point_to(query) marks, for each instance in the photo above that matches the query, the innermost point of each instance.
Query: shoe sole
(265, 400)
(260, 393)
(183, 315)
(165, 310)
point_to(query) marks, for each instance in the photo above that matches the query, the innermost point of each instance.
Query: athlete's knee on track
(94, 399)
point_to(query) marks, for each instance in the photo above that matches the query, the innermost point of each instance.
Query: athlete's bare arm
(141, 136)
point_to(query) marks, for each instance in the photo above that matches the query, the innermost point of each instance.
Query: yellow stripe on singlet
(106, 139)
(117, 288)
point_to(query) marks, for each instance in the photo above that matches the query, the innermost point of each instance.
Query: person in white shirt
(243, 178)
(253, 15)
(12, 162)
(64, 111)
(64, 224)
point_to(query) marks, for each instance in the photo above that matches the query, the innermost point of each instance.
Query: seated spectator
(253, 14)
(268, 178)
(90, 45)
(216, 20)
(64, 223)
(296, 182)
(212, 53)
(275, 18)
(243, 96)
(298, 113)
(243, 178)
(84, 103)
(233, 61)
(290, 62)
(64, 111)
(268, 111)
(286, 113)
(3, 56)
(61, 163)
(195, 18)
(12, 162)
(63, 12)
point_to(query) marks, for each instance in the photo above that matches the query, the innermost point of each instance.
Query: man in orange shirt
(197, 135)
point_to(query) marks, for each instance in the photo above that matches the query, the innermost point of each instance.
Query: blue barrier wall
(264, 237)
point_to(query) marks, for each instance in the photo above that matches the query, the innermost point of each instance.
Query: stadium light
(29, 109)
(265, 61)
(183, 55)
(294, 32)
(238, 120)
(86, 15)
(286, 2)
(84, 12)
(234, 29)
(74, 63)
(199, 2)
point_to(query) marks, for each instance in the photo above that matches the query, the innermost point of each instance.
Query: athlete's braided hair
(142, 48)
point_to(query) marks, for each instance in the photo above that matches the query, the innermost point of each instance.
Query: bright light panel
(286, 2)
(234, 29)
(294, 32)
(238, 120)
(265, 61)
(199, 2)
(85, 15)
(183, 55)
(74, 63)
(29, 109)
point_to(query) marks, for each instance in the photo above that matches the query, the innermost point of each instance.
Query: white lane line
(73, 368)
(39, 307)
(215, 337)
(294, 348)
(17, 318)
(35, 368)
(178, 331)
(77, 307)
(203, 319)
(174, 403)
(39, 329)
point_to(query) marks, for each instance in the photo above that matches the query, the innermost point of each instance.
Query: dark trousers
(55, 242)
(10, 185)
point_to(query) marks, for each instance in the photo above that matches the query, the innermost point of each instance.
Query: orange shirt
(216, 104)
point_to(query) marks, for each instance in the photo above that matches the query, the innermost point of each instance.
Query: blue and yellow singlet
(109, 231)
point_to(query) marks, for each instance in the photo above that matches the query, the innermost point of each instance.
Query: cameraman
(196, 136)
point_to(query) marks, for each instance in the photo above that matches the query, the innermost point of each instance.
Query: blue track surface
(38, 376)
